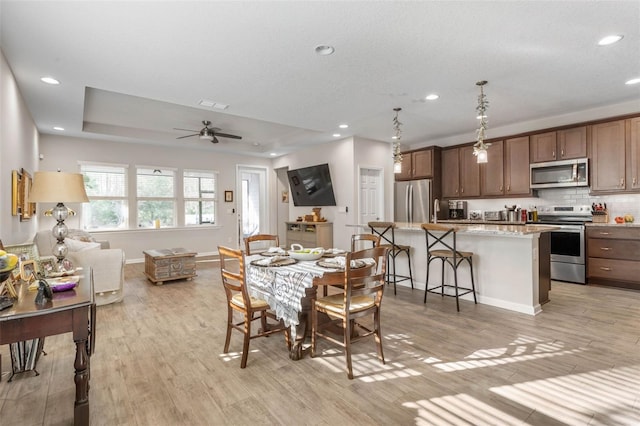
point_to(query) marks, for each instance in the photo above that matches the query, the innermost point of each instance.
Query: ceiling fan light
(206, 134)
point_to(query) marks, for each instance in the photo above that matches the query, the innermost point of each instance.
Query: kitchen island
(510, 263)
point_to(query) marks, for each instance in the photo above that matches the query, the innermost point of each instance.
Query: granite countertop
(617, 225)
(482, 229)
(481, 222)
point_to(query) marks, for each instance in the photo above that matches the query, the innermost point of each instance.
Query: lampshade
(57, 187)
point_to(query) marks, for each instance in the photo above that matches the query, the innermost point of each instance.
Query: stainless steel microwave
(560, 174)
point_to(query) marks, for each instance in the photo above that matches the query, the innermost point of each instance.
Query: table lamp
(58, 187)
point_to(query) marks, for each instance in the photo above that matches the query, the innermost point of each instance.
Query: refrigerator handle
(410, 204)
(406, 203)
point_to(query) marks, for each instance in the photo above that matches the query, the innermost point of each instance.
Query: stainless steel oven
(567, 242)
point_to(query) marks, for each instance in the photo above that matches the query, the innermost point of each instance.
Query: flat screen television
(311, 186)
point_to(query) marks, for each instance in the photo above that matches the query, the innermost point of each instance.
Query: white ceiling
(132, 71)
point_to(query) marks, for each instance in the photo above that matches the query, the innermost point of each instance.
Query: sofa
(86, 252)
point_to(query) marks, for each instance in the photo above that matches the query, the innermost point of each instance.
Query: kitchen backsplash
(618, 205)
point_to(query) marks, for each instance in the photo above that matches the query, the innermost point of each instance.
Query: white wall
(344, 157)
(18, 150)
(65, 153)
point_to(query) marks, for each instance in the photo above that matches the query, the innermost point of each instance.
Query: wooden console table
(69, 311)
(169, 264)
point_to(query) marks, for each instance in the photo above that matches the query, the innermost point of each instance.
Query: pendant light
(480, 147)
(397, 155)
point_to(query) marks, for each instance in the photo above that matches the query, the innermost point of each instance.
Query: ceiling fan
(208, 133)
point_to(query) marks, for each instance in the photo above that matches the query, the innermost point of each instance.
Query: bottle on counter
(534, 214)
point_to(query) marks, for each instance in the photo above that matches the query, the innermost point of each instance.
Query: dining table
(289, 288)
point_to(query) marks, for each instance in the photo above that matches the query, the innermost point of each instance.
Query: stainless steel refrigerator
(413, 201)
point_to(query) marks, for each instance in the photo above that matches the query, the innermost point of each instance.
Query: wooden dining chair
(362, 297)
(232, 267)
(358, 241)
(260, 242)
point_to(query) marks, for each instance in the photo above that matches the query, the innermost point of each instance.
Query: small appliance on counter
(493, 215)
(475, 214)
(457, 209)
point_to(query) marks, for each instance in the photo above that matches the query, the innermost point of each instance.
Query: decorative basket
(601, 218)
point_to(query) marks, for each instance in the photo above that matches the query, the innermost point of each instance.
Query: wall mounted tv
(311, 186)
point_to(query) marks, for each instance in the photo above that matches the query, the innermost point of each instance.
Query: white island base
(510, 264)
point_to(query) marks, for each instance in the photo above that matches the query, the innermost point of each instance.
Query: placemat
(281, 262)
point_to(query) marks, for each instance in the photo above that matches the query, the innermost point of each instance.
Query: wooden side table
(162, 265)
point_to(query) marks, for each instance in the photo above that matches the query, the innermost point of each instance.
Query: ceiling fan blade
(188, 136)
(186, 130)
(226, 135)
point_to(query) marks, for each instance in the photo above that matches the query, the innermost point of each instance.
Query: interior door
(252, 202)
(371, 195)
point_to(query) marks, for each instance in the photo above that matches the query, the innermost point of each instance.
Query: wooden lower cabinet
(613, 256)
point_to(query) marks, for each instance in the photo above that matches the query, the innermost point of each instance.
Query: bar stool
(386, 232)
(450, 255)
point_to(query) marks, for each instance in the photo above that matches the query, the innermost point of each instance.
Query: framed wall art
(27, 209)
(15, 193)
(228, 196)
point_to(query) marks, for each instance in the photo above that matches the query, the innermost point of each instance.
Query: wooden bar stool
(386, 232)
(450, 255)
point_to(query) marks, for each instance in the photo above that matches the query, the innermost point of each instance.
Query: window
(106, 188)
(199, 197)
(156, 197)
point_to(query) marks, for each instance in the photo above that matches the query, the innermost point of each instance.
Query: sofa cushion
(80, 235)
(76, 245)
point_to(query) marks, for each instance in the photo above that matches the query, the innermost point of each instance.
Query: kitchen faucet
(436, 209)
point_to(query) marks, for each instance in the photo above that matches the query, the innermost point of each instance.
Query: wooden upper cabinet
(450, 173)
(422, 164)
(561, 145)
(417, 165)
(572, 143)
(634, 153)
(407, 167)
(543, 147)
(608, 172)
(469, 173)
(516, 166)
(492, 172)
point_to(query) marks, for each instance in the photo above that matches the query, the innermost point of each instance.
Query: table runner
(283, 287)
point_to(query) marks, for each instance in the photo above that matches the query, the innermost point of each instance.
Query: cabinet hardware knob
(501, 188)
(462, 190)
(553, 154)
(605, 233)
(508, 188)
(635, 180)
(621, 182)
(605, 248)
(562, 153)
(605, 268)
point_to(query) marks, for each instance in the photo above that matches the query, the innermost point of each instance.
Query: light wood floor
(158, 362)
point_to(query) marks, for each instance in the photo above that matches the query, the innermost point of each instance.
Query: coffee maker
(457, 209)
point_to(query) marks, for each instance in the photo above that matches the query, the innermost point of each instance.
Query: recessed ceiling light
(633, 81)
(49, 80)
(606, 41)
(324, 50)
(344, 126)
(432, 97)
(58, 128)
(336, 135)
